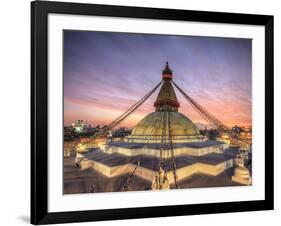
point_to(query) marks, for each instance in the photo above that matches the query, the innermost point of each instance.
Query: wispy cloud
(105, 73)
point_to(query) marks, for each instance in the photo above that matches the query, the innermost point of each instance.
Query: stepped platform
(116, 164)
(78, 181)
(153, 149)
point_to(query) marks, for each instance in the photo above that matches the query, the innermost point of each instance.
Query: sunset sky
(105, 73)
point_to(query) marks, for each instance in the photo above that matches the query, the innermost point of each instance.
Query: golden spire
(167, 99)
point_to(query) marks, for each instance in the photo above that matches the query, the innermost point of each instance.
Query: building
(79, 126)
(246, 134)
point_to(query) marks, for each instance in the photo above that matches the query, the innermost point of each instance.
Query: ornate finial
(167, 99)
(167, 72)
(167, 66)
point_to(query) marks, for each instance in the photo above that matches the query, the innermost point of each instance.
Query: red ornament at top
(167, 72)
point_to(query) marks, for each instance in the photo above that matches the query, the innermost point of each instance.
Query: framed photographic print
(145, 112)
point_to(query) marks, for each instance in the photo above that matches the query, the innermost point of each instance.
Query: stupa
(150, 128)
(142, 151)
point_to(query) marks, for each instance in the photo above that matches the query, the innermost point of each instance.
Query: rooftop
(207, 143)
(152, 163)
(81, 181)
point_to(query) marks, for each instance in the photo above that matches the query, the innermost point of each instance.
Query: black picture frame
(39, 112)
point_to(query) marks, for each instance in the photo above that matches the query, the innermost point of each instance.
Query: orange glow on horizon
(230, 114)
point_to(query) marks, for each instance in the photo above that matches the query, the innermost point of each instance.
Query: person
(92, 188)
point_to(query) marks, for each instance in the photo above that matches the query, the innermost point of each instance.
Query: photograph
(150, 112)
(140, 112)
